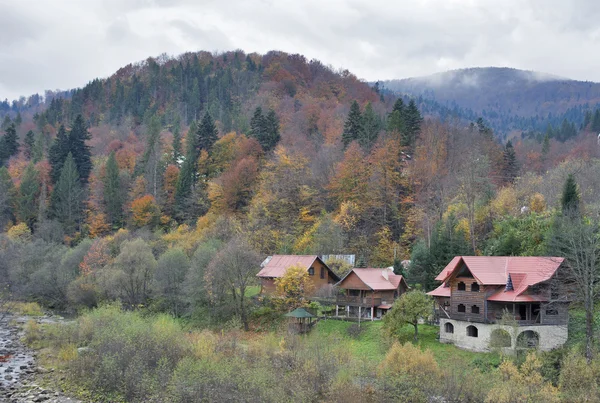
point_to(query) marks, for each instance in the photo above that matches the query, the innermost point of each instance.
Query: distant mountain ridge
(509, 99)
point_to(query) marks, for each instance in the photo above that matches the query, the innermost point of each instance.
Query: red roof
(378, 279)
(441, 291)
(495, 270)
(278, 264)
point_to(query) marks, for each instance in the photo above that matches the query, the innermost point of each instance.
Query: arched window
(474, 309)
(528, 339)
(461, 286)
(462, 308)
(475, 287)
(449, 327)
(472, 331)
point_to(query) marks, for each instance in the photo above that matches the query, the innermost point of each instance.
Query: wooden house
(368, 293)
(483, 299)
(322, 277)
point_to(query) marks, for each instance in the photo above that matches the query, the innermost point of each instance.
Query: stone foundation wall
(549, 336)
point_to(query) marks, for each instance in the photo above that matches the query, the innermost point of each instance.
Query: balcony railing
(363, 301)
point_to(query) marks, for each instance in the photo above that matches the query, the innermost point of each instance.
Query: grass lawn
(371, 343)
(252, 290)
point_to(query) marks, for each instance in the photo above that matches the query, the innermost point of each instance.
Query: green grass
(372, 343)
(252, 290)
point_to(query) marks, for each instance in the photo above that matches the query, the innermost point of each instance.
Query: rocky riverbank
(19, 370)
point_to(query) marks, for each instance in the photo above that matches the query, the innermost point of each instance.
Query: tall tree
(7, 198)
(113, 193)
(81, 152)
(67, 197)
(150, 162)
(136, 264)
(177, 152)
(353, 125)
(265, 129)
(570, 197)
(27, 199)
(413, 121)
(511, 166)
(207, 133)
(370, 127)
(596, 122)
(29, 143)
(58, 153)
(9, 144)
(396, 122)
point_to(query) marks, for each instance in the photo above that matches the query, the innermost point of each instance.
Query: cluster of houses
(481, 303)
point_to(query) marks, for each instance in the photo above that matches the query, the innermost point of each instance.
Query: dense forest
(165, 185)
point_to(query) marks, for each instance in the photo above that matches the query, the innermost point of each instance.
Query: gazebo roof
(300, 313)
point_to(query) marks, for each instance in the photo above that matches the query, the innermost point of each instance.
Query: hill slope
(509, 99)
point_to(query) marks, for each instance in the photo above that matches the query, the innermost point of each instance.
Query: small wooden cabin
(369, 292)
(276, 266)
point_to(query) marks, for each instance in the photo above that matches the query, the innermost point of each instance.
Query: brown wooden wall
(353, 282)
(467, 298)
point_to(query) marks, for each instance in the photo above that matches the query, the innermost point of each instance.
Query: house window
(475, 287)
(449, 328)
(474, 309)
(311, 271)
(472, 331)
(322, 272)
(461, 308)
(461, 286)
(551, 312)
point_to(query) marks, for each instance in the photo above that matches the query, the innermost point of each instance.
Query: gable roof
(278, 265)
(523, 271)
(375, 280)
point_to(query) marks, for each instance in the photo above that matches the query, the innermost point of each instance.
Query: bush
(354, 330)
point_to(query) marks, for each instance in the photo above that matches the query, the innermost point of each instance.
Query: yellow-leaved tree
(293, 288)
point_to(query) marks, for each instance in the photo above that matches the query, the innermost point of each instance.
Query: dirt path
(18, 368)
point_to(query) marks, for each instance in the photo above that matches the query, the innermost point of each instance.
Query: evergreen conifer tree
(413, 121)
(113, 194)
(29, 143)
(9, 144)
(570, 197)
(258, 125)
(66, 201)
(207, 133)
(369, 128)
(5, 123)
(18, 120)
(27, 199)
(177, 153)
(272, 126)
(396, 123)
(58, 153)
(596, 121)
(546, 145)
(353, 125)
(81, 152)
(8, 195)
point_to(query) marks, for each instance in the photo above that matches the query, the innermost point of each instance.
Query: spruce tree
(272, 126)
(596, 122)
(265, 129)
(6, 123)
(177, 153)
(29, 143)
(353, 125)
(113, 194)
(27, 199)
(396, 123)
(413, 121)
(58, 153)
(207, 133)
(8, 195)
(369, 128)
(546, 146)
(18, 120)
(258, 125)
(66, 201)
(587, 120)
(570, 197)
(9, 144)
(81, 152)
(511, 168)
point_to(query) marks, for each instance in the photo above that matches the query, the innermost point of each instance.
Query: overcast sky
(61, 44)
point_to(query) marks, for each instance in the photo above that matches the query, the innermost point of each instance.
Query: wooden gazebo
(301, 321)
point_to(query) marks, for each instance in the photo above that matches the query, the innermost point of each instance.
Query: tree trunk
(416, 325)
(589, 330)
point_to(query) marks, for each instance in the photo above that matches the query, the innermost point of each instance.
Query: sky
(62, 44)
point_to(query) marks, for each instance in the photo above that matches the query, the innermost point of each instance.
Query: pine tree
(8, 195)
(353, 125)
(369, 128)
(546, 145)
(37, 153)
(272, 126)
(413, 121)
(113, 194)
(66, 201)
(151, 159)
(596, 121)
(511, 167)
(29, 143)
(81, 152)
(5, 123)
(570, 197)
(587, 120)
(18, 120)
(58, 153)
(207, 133)
(258, 125)
(396, 123)
(27, 199)
(9, 144)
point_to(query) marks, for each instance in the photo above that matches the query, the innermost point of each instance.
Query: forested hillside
(509, 99)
